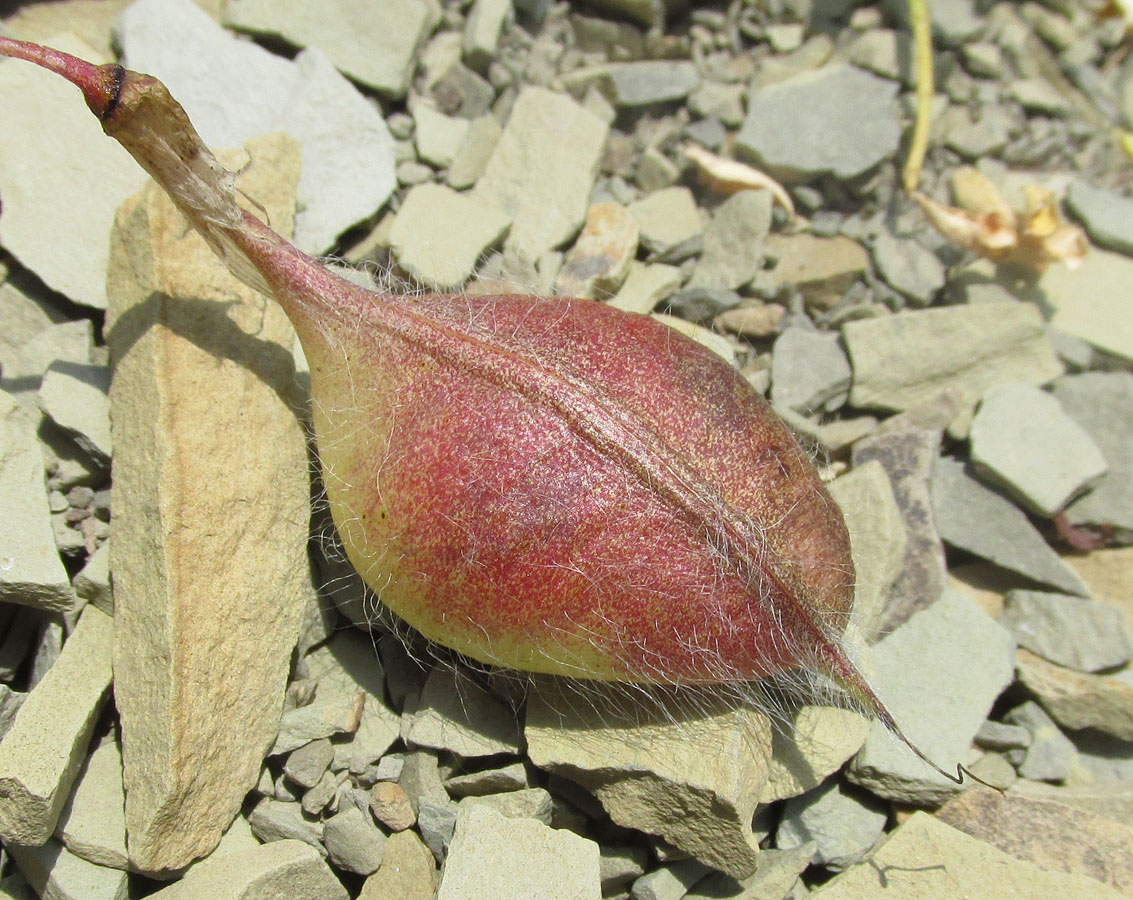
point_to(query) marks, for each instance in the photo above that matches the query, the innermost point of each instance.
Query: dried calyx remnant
(546, 484)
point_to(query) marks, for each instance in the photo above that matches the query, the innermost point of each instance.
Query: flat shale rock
(939, 674)
(1102, 404)
(306, 765)
(482, 31)
(644, 83)
(600, 259)
(1076, 700)
(926, 859)
(542, 170)
(408, 871)
(908, 266)
(58, 874)
(349, 677)
(1050, 834)
(908, 357)
(512, 777)
(439, 235)
(645, 286)
(1111, 800)
(733, 242)
(347, 151)
(93, 823)
(92, 20)
(822, 268)
(42, 752)
(353, 841)
(669, 882)
(693, 778)
(376, 45)
(75, 397)
(1084, 635)
(437, 136)
(620, 865)
(437, 823)
(517, 859)
(810, 747)
(809, 371)
(1022, 440)
(1050, 755)
(908, 456)
(61, 184)
(28, 361)
(210, 517)
(24, 318)
(33, 574)
(776, 877)
(977, 519)
(92, 584)
(1092, 301)
(458, 715)
(837, 119)
(844, 822)
(475, 150)
(324, 718)
(877, 538)
(288, 869)
(667, 217)
(1107, 216)
(1108, 572)
(10, 702)
(283, 820)
(531, 803)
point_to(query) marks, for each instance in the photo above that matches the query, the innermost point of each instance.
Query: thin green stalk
(922, 42)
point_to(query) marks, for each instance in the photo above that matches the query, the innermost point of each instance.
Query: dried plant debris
(727, 176)
(958, 361)
(984, 223)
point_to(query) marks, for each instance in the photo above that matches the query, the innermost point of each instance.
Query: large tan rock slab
(1076, 700)
(926, 859)
(1049, 834)
(288, 869)
(42, 752)
(691, 772)
(210, 517)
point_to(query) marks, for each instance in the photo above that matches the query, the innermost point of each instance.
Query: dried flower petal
(974, 192)
(727, 176)
(985, 224)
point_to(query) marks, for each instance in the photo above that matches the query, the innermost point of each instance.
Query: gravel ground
(958, 363)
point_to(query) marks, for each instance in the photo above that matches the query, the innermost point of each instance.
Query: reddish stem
(100, 84)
